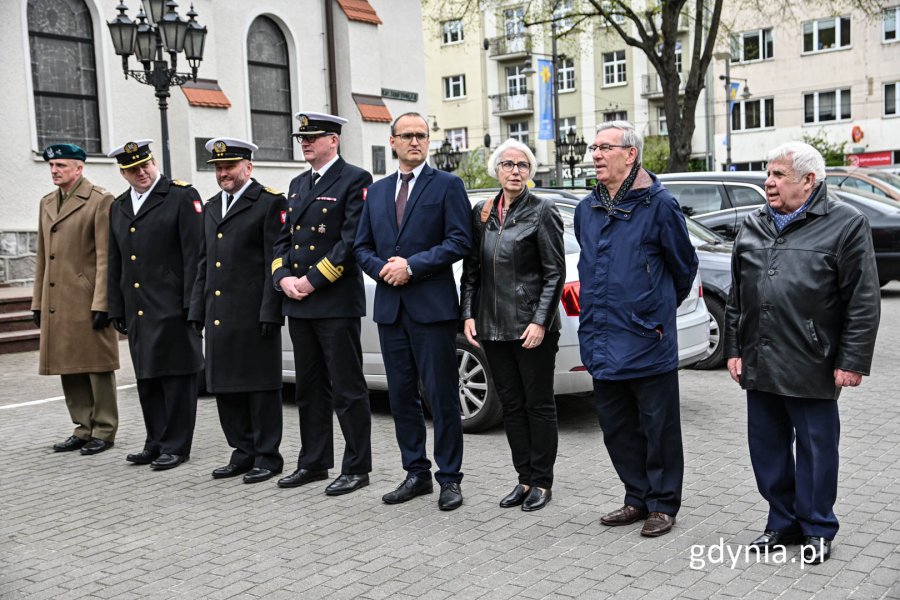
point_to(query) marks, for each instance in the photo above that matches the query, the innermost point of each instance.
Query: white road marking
(55, 398)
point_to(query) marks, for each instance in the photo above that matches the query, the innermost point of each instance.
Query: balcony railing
(507, 47)
(651, 86)
(514, 104)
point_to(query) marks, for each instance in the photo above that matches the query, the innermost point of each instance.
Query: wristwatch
(408, 270)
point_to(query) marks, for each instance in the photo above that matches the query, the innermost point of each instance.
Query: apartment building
(808, 72)
(818, 75)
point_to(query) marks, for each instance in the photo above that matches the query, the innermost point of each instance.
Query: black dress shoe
(229, 470)
(345, 484)
(169, 461)
(815, 550)
(771, 538)
(70, 443)
(537, 499)
(96, 446)
(258, 474)
(515, 497)
(411, 487)
(301, 477)
(144, 457)
(451, 496)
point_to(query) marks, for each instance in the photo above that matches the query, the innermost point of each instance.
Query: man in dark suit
(241, 311)
(414, 226)
(154, 242)
(324, 301)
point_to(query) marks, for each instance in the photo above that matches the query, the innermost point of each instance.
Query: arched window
(270, 90)
(63, 73)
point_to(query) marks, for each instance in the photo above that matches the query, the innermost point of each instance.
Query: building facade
(811, 73)
(263, 61)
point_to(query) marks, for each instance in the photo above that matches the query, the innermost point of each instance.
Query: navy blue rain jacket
(636, 266)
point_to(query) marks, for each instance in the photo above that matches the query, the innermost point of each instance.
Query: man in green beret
(70, 303)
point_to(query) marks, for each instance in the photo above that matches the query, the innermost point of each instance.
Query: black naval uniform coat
(152, 267)
(233, 293)
(317, 241)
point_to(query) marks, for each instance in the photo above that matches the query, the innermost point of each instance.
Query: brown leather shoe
(624, 516)
(657, 524)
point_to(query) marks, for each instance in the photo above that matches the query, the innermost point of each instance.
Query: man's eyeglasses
(508, 166)
(309, 139)
(408, 137)
(604, 148)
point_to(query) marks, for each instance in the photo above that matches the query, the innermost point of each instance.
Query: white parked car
(479, 405)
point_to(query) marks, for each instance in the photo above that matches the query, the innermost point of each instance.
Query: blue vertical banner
(735, 86)
(545, 98)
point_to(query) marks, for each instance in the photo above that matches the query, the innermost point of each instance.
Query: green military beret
(64, 151)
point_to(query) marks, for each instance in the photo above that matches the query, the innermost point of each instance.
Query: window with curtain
(270, 90)
(64, 73)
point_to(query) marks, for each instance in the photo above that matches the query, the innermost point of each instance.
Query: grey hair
(803, 158)
(511, 144)
(630, 135)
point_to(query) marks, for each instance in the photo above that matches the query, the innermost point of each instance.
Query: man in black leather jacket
(800, 325)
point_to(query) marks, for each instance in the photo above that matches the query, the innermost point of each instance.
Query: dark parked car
(883, 215)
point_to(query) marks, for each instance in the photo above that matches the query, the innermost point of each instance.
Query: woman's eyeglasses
(508, 166)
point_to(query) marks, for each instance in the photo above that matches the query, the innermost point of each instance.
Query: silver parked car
(479, 404)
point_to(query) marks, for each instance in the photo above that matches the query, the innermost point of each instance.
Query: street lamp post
(555, 59)
(570, 150)
(727, 78)
(446, 158)
(159, 29)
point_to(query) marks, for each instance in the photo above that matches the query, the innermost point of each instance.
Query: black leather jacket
(514, 274)
(804, 301)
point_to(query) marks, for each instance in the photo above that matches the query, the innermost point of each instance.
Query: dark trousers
(251, 422)
(523, 379)
(641, 423)
(801, 495)
(426, 351)
(91, 400)
(169, 405)
(328, 360)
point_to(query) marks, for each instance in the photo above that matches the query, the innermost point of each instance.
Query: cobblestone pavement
(97, 527)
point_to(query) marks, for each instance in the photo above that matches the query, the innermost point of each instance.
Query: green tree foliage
(473, 170)
(834, 153)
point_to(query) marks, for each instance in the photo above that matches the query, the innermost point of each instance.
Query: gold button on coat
(137, 285)
(218, 264)
(140, 313)
(133, 257)
(216, 322)
(218, 293)
(132, 230)
(219, 236)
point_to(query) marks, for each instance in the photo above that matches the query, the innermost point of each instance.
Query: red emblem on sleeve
(198, 206)
(365, 191)
(283, 217)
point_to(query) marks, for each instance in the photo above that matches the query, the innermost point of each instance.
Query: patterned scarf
(603, 193)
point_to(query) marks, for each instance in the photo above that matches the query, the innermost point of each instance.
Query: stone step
(15, 299)
(19, 341)
(20, 320)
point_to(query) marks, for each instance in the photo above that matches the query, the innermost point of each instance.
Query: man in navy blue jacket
(637, 265)
(414, 226)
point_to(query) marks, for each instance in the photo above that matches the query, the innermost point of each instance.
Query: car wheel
(478, 400)
(715, 355)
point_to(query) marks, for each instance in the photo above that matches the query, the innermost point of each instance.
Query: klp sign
(580, 172)
(871, 159)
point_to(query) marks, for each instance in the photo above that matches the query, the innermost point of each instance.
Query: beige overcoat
(70, 281)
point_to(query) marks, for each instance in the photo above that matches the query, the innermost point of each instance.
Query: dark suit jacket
(435, 233)
(152, 267)
(317, 241)
(233, 293)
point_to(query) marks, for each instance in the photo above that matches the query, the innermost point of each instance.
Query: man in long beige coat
(69, 301)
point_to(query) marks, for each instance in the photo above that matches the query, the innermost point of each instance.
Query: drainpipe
(329, 50)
